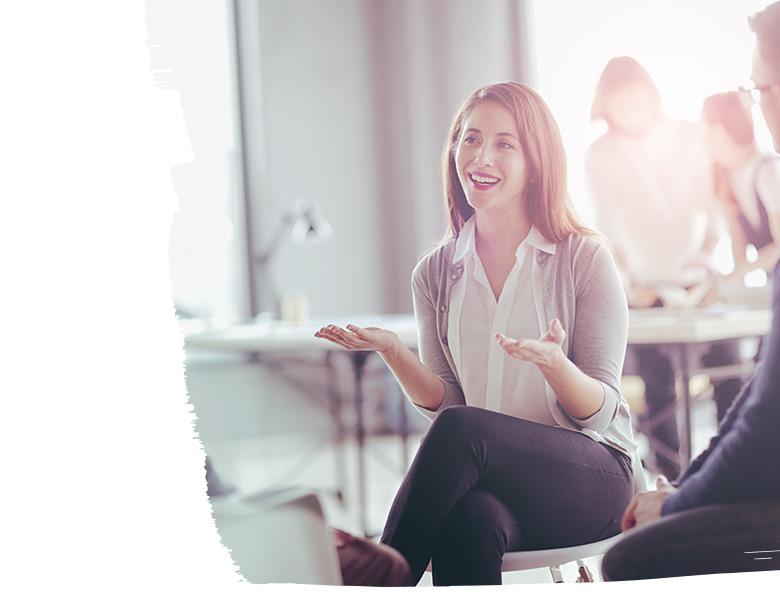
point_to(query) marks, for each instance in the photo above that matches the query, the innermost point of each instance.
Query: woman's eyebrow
(502, 133)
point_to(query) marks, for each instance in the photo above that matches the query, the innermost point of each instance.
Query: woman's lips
(483, 181)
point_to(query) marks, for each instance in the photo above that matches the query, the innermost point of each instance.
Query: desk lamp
(303, 224)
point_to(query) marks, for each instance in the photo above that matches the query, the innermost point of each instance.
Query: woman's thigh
(563, 487)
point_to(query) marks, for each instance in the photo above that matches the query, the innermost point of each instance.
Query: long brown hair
(548, 204)
(728, 110)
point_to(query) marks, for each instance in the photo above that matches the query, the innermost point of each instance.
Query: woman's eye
(505, 145)
(470, 139)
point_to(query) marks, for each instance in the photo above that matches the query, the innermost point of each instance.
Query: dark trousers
(483, 483)
(658, 375)
(719, 538)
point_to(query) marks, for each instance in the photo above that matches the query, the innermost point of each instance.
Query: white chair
(278, 537)
(555, 557)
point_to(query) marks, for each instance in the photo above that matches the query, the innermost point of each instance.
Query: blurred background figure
(746, 181)
(649, 181)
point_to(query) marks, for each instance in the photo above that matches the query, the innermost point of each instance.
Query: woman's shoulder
(578, 244)
(434, 259)
(584, 253)
(440, 254)
(601, 144)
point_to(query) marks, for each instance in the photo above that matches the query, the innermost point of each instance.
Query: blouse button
(454, 276)
(442, 308)
(444, 341)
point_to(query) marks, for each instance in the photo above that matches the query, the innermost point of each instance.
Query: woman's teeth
(484, 180)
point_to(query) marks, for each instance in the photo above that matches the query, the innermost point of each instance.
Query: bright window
(691, 48)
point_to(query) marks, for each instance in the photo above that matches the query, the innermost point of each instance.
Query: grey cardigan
(582, 289)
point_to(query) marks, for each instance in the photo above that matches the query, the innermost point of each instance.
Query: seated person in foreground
(723, 514)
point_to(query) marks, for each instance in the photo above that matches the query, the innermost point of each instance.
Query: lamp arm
(279, 236)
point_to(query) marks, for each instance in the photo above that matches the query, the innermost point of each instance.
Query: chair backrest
(278, 536)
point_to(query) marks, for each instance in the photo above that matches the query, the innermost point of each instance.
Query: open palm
(359, 338)
(541, 352)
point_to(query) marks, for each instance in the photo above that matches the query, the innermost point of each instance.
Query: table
(684, 335)
(279, 337)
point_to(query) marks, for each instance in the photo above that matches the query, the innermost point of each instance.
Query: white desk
(277, 336)
(669, 326)
(685, 335)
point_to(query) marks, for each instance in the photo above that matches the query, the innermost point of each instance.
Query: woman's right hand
(360, 338)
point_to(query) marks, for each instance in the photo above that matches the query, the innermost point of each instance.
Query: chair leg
(585, 575)
(556, 573)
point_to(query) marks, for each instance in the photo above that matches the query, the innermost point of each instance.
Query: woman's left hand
(544, 352)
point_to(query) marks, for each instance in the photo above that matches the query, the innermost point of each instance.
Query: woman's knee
(457, 422)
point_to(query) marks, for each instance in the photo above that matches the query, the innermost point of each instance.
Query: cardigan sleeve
(429, 343)
(600, 331)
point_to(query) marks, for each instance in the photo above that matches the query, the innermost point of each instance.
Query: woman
(747, 182)
(522, 327)
(649, 180)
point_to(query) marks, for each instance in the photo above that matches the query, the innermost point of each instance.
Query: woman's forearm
(581, 395)
(417, 381)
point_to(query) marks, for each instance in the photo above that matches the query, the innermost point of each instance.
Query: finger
(339, 336)
(330, 337)
(348, 337)
(359, 331)
(661, 482)
(557, 334)
(629, 518)
(511, 346)
(503, 340)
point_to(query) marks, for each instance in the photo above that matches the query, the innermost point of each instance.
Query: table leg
(358, 362)
(686, 441)
(335, 406)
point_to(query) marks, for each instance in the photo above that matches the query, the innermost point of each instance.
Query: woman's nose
(484, 156)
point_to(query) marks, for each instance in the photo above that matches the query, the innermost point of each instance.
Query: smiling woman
(516, 384)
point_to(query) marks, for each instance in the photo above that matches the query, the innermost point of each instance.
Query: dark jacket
(742, 461)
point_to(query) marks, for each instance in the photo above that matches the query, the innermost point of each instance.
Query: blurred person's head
(766, 66)
(729, 136)
(545, 191)
(626, 98)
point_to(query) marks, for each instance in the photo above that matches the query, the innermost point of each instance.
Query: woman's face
(631, 109)
(491, 164)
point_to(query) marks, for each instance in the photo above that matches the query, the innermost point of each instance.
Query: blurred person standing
(649, 180)
(746, 180)
(723, 514)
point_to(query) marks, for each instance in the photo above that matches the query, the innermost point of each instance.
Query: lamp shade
(309, 227)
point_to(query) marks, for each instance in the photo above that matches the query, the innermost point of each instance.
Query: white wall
(319, 143)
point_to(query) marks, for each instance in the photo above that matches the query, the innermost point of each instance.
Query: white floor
(306, 460)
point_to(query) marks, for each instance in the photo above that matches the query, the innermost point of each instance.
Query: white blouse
(489, 376)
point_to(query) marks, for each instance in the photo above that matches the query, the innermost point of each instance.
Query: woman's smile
(482, 181)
